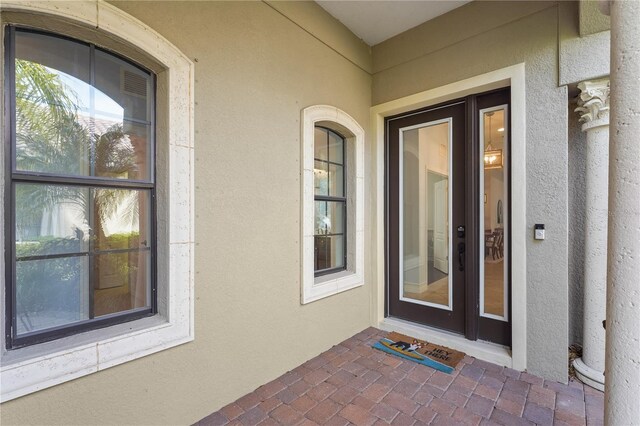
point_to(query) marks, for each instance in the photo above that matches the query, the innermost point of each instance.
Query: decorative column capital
(593, 101)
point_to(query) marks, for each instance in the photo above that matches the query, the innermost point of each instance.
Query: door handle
(461, 250)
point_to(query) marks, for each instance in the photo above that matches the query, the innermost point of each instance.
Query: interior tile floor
(494, 287)
(438, 291)
(353, 383)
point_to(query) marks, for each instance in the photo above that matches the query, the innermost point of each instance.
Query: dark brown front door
(426, 202)
(448, 217)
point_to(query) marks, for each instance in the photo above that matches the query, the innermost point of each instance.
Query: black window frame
(330, 198)
(13, 176)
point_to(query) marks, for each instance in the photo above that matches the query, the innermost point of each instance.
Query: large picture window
(80, 229)
(330, 240)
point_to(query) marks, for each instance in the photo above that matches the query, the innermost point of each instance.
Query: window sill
(32, 368)
(327, 285)
(323, 279)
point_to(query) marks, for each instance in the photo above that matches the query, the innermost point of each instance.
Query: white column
(622, 368)
(594, 110)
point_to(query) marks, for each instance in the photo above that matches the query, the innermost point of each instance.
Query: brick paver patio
(353, 383)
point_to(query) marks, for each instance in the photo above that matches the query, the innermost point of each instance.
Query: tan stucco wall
(255, 69)
(257, 65)
(462, 45)
(582, 57)
(331, 31)
(592, 20)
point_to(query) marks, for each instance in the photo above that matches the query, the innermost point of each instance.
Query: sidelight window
(494, 217)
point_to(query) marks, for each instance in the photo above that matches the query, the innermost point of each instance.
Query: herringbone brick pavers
(352, 383)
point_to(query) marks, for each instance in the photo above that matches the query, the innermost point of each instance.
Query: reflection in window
(425, 215)
(493, 287)
(82, 129)
(82, 187)
(330, 202)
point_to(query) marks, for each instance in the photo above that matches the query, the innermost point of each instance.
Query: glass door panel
(425, 251)
(493, 213)
(447, 217)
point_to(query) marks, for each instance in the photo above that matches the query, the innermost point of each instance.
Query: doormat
(438, 357)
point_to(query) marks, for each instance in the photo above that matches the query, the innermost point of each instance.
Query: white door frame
(440, 228)
(513, 76)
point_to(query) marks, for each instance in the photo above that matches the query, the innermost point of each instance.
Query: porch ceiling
(376, 21)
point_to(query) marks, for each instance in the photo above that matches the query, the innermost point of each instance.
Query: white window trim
(37, 367)
(315, 288)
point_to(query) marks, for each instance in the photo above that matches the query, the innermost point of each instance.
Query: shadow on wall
(577, 164)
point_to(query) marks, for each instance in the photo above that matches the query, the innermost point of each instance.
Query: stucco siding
(532, 39)
(255, 70)
(257, 65)
(582, 56)
(577, 192)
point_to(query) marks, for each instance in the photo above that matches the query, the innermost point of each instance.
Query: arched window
(332, 203)
(82, 188)
(86, 267)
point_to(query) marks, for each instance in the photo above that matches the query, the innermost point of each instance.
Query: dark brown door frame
(472, 194)
(490, 329)
(474, 326)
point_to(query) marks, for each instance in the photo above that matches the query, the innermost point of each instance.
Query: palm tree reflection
(53, 138)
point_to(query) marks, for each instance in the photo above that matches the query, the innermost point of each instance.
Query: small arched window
(332, 203)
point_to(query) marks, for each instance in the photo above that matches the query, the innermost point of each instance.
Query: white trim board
(513, 76)
(315, 288)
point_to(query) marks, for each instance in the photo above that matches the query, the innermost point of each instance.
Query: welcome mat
(439, 357)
